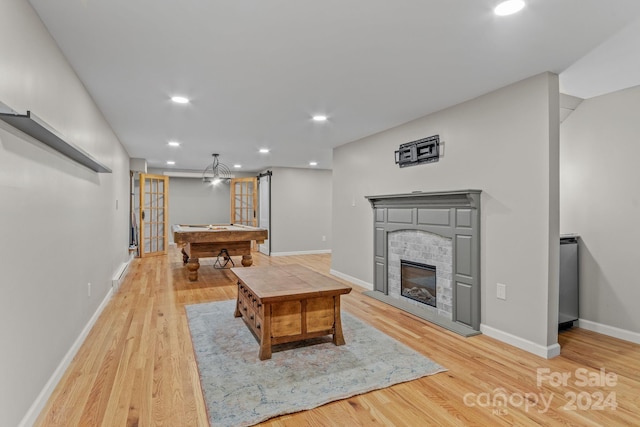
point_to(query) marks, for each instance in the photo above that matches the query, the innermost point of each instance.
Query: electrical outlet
(501, 291)
(324, 238)
(88, 290)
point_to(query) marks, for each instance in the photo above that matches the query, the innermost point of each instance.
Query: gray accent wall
(504, 143)
(600, 201)
(300, 210)
(62, 225)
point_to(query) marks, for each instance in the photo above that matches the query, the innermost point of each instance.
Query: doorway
(264, 212)
(154, 228)
(244, 200)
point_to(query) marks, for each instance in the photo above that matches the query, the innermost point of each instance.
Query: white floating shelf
(35, 127)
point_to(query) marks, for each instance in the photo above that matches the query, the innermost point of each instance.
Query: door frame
(253, 221)
(165, 209)
(264, 179)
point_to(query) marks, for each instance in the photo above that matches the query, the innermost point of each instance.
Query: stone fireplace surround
(437, 228)
(424, 248)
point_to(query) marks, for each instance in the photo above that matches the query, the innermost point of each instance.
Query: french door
(244, 201)
(154, 203)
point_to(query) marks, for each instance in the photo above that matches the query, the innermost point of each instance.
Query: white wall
(193, 202)
(600, 201)
(300, 210)
(59, 225)
(504, 143)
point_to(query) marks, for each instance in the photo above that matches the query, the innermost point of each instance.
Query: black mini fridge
(568, 304)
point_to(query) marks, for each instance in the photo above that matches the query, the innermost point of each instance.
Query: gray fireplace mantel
(443, 199)
(451, 214)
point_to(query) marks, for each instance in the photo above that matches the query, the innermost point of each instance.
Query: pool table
(206, 241)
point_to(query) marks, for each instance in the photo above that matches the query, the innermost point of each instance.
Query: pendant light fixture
(216, 172)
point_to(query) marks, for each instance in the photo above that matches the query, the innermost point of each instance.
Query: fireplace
(418, 282)
(426, 256)
(426, 260)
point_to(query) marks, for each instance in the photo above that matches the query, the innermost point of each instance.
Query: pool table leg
(247, 260)
(193, 265)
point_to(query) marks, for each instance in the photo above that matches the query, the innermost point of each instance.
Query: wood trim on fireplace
(451, 214)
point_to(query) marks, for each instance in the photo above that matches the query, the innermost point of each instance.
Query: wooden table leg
(193, 265)
(247, 260)
(338, 338)
(265, 334)
(238, 313)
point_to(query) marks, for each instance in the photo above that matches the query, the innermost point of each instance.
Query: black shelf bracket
(35, 127)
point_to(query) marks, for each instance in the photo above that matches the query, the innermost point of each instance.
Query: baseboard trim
(611, 331)
(547, 352)
(352, 279)
(36, 407)
(320, 251)
(121, 273)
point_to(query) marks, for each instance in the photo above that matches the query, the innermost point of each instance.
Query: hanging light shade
(216, 172)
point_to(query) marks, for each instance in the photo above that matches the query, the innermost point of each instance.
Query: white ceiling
(257, 70)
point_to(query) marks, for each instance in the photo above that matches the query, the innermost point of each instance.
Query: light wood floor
(137, 368)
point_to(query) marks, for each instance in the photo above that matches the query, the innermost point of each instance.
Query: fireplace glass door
(418, 282)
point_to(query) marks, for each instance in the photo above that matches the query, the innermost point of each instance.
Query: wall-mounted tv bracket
(425, 150)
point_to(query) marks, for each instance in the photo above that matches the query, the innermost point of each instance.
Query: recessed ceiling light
(237, 166)
(313, 163)
(171, 162)
(319, 118)
(180, 99)
(174, 143)
(264, 150)
(509, 7)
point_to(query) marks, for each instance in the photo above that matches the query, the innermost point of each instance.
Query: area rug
(240, 389)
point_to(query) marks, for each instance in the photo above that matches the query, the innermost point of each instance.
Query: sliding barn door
(154, 202)
(244, 201)
(264, 211)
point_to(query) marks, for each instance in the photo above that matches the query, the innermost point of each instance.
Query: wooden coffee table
(288, 303)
